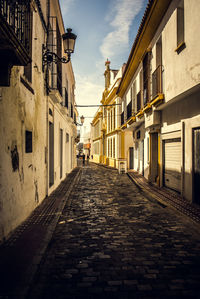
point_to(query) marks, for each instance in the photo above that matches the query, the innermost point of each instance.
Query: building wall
(24, 106)
(23, 184)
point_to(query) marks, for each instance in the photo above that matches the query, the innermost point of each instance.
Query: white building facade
(37, 124)
(161, 85)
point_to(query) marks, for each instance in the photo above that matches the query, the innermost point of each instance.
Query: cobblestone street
(112, 242)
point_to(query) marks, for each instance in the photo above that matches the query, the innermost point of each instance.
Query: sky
(105, 29)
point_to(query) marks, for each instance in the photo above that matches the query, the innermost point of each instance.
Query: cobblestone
(112, 241)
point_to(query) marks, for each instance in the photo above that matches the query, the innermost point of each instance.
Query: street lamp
(69, 39)
(82, 118)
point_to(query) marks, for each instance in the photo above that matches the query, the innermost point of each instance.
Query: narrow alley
(112, 242)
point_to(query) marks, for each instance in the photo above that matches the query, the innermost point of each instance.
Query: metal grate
(54, 45)
(157, 81)
(18, 16)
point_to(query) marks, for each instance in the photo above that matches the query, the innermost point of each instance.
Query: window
(146, 78)
(133, 97)
(114, 147)
(66, 98)
(28, 67)
(109, 121)
(72, 111)
(55, 45)
(138, 101)
(28, 142)
(180, 27)
(147, 149)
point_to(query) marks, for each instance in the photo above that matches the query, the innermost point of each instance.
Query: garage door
(172, 164)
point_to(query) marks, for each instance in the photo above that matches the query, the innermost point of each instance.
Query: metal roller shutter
(172, 164)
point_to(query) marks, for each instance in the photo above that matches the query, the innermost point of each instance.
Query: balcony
(157, 86)
(15, 36)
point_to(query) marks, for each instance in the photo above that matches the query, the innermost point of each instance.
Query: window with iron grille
(28, 67)
(157, 82)
(55, 45)
(133, 97)
(146, 78)
(18, 15)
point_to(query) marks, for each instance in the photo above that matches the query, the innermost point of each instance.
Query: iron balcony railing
(18, 16)
(129, 110)
(157, 84)
(122, 118)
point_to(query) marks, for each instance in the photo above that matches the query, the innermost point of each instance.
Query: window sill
(180, 47)
(26, 84)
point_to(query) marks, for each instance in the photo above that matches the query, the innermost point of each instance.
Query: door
(154, 156)
(141, 157)
(131, 157)
(51, 154)
(196, 165)
(61, 153)
(172, 164)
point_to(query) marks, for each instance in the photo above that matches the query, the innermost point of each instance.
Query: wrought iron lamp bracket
(48, 57)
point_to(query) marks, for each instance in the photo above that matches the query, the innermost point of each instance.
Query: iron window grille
(18, 16)
(157, 84)
(55, 45)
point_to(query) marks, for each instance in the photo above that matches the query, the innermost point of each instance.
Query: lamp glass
(69, 39)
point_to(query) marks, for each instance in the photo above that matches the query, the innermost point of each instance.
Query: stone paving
(113, 242)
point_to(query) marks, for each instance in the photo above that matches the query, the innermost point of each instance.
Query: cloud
(120, 19)
(66, 4)
(89, 92)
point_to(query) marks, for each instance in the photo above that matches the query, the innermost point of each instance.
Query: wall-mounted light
(82, 118)
(69, 39)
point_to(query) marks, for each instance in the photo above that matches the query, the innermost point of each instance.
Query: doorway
(61, 153)
(51, 154)
(131, 158)
(196, 165)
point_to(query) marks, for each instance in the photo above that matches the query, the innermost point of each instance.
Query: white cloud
(88, 92)
(121, 17)
(66, 4)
